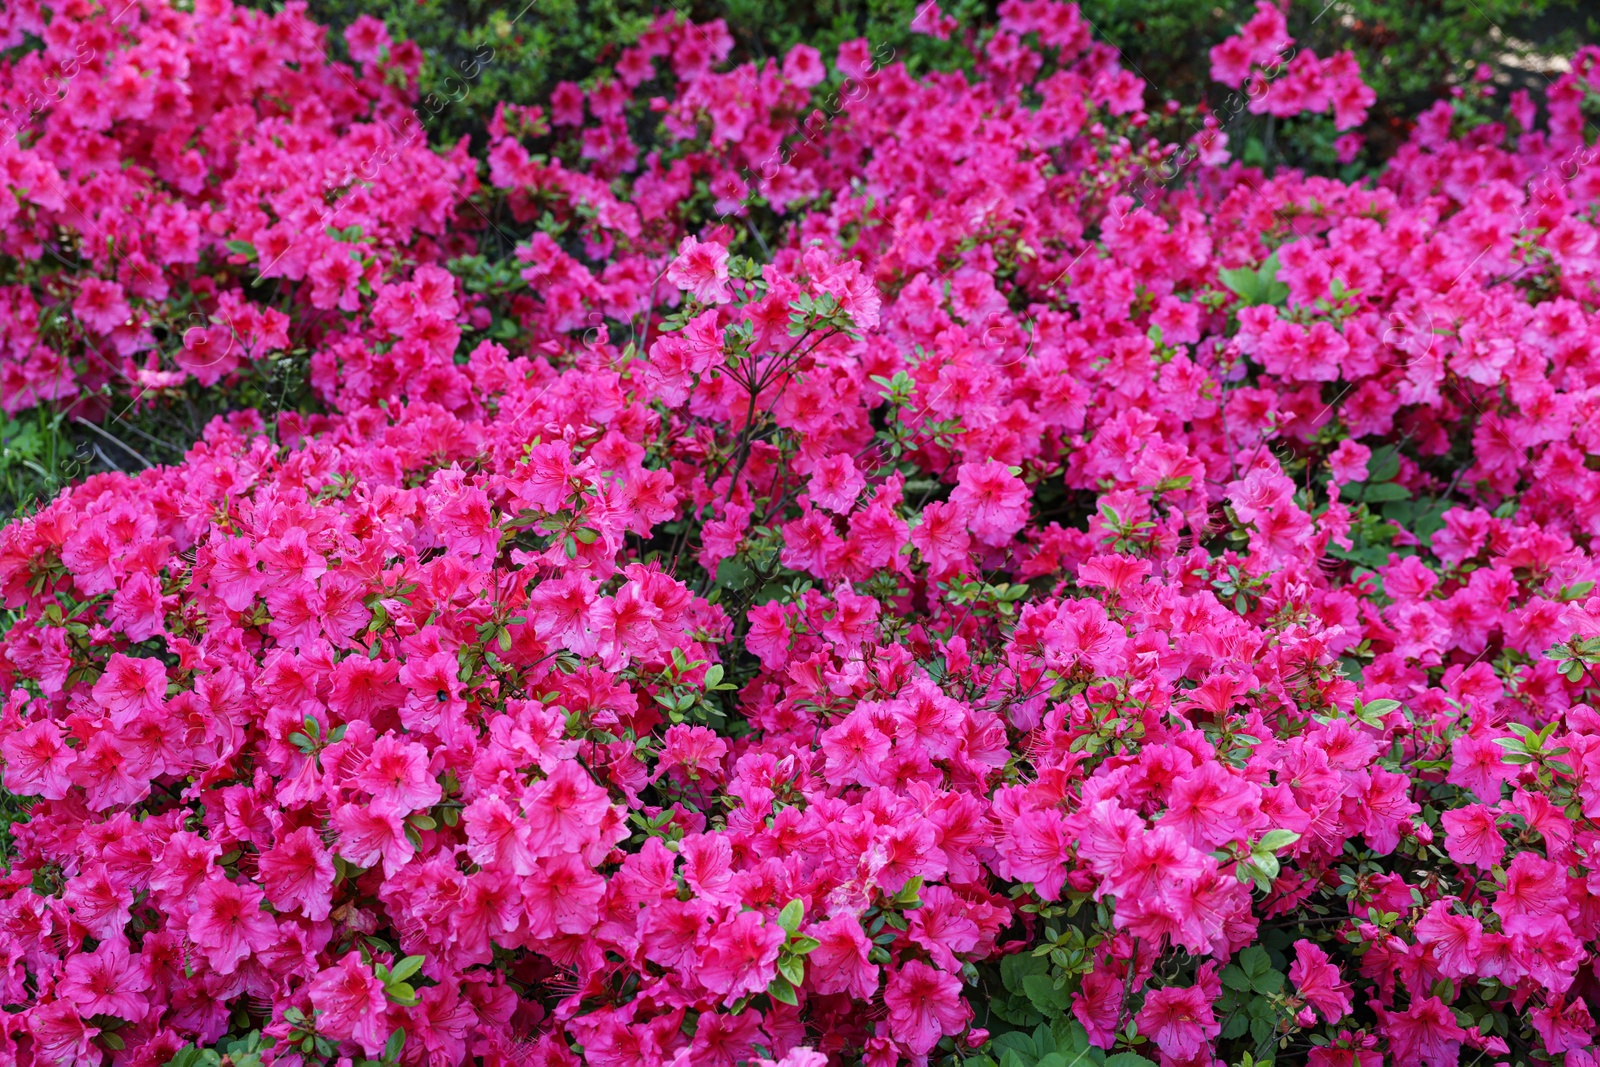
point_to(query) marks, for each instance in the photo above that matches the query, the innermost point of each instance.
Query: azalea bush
(884, 570)
(453, 63)
(189, 195)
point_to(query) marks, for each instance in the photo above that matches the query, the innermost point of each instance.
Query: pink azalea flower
(741, 956)
(1318, 981)
(924, 1005)
(229, 924)
(352, 1003)
(1179, 1021)
(701, 268)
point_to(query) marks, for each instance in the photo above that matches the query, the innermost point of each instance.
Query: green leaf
(1044, 1040)
(1385, 491)
(1016, 1041)
(780, 990)
(800, 945)
(1384, 464)
(189, 1056)
(1235, 978)
(1072, 1043)
(1273, 840)
(792, 968)
(1047, 999)
(1259, 286)
(406, 968)
(242, 248)
(1254, 961)
(1016, 967)
(1128, 1059)
(1267, 984)
(791, 915)
(911, 892)
(396, 1042)
(1242, 281)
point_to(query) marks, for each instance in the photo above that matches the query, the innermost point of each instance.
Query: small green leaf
(401, 993)
(1273, 840)
(780, 989)
(1259, 286)
(396, 1042)
(1254, 961)
(793, 968)
(1018, 966)
(910, 893)
(1267, 984)
(1047, 998)
(1384, 464)
(407, 967)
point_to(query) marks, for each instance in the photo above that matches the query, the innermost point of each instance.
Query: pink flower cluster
(771, 661)
(1284, 85)
(156, 163)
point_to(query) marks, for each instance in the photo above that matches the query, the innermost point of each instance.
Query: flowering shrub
(159, 163)
(1036, 613)
(1306, 83)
